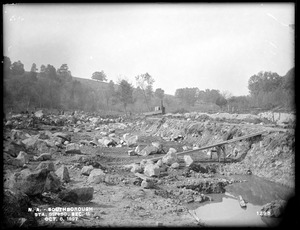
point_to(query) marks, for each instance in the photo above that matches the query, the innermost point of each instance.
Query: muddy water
(225, 210)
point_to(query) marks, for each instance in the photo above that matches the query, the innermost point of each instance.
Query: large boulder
(96, 176)
(77, 195)
(73, 148)
(52, 183)
(31, 142)
(46, 165)
(30, 183)
(151, 170)
(149, 150)
(13, 148)
(131, 141)
(170, 158)
(63, 174)
(86, 170)
(188, 160)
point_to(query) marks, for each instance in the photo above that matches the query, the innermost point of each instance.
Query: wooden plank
(217, 144)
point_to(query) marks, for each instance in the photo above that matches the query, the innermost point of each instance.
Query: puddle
(225, 209)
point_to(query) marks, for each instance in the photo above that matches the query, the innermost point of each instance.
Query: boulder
(131, 153)
(148, 150)
(158, 145)
(23, 157)
(169, 158)
(188, 160)
(136, 168)
(73, 148)
(63, 174)
(275, 208)
(159, 163)
(13, 148)
(151, 170)
(86, 170)
(64, 136)
(138, 149)
(96, 176)
(175, 165)
(30, 183)
(52, 183)
(131, 141)
(77, 195)
(42, 146)
(147, 184)
(46, 165)
(43, 157)
(172, 150)
(39, 114)
(30, 142)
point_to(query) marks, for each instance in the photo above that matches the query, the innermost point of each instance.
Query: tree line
(48, 87)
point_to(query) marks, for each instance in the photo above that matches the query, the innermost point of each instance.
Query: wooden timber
(214, 145)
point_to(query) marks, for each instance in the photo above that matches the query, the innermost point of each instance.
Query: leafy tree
(6, 66)
(33, 71)
(124, 93)
(221, 101)
(188, 95)
(17, 68)
(99, 76)
(159, 93)
(145, 82)
(110, 93)
(64, 73)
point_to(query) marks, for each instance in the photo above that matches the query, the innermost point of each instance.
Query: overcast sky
(209, 46)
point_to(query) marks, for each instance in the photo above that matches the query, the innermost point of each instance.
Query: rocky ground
(82, 160)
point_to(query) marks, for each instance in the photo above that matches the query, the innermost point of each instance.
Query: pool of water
(225, 209)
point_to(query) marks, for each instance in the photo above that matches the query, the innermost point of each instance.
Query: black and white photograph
(148, 115)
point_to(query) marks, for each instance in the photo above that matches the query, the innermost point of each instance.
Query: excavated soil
(121, 201)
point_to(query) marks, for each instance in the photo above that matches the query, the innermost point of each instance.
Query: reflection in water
(229, 213)
(225, 209)
(258, 191)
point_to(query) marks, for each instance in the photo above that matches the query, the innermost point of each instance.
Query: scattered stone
(64, 136)
(172, 150)
(46, 165)
(185, 148)
(131, 153)
(159, 163)
(73, 148)
(66, 142)
(130, 141)
(138, 149)
(30, 142)
(136, 168)
(52, 183)
(147, 184)
(30, 183)
(170, 158)
(151, 170)
(158, 145)
(175, 165)
(43, 157)
(77, 195)
(63, 174)
(149, 150)
(96, 176)
(188, 160)
(86, 170)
